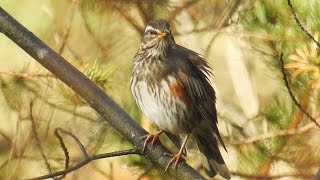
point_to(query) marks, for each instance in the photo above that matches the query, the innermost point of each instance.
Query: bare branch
(286, 82)
(300, 25)
(64, 148)
(86, 159)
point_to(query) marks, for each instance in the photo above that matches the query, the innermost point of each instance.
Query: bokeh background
(267, 136)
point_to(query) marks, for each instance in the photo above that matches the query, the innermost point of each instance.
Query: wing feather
(193, 74)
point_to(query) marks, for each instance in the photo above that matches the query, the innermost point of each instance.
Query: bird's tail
(213, 162)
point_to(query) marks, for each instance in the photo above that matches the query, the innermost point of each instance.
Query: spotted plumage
(171, 86)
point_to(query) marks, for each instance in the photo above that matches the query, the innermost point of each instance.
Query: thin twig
(275, 134)
(65, 150)
(69, 25)
(144, 14)
(130, 20)
(34, 131)
(86, 159)
(226, 14)
(56, 106)
(300, 25)
(82, 148)
(265, 37)
(89, 29)
(179, 9)
(267, 177)
(291, 93)
(27, 75)
(5, 137)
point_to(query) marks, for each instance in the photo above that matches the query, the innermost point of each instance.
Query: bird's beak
(162, 34)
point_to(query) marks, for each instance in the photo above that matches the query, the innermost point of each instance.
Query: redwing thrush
(170, 84)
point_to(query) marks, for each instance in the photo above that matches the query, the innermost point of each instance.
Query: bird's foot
(153, 137)
(175, 158)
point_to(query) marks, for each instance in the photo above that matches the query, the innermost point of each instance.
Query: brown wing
(193, 73)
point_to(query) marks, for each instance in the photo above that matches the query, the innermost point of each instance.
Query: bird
(171, 86)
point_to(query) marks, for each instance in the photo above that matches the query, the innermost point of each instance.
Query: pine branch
(300, 25)
(26, 75)
(94, 96)
(292, 95)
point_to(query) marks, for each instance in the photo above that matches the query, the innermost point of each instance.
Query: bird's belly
(166, 112)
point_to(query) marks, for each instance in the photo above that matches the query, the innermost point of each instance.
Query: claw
(175, 158)
(148, 137)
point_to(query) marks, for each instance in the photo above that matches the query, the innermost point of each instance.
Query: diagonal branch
(94, 96)
(286, 82)
(300, 25)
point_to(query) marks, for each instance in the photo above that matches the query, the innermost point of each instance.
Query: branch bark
(94, 96)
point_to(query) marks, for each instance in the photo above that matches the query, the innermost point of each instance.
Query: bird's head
(157, 36)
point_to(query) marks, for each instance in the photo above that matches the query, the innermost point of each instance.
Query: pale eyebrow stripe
(149, 28)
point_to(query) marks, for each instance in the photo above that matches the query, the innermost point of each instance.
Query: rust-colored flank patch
(177, 91)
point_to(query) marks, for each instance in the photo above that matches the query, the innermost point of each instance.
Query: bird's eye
(151, 32)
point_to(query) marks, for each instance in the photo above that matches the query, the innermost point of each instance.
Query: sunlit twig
(275, 134)
(27, 75)
(253, 176)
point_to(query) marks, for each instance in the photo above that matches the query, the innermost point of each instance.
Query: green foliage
(274, 19)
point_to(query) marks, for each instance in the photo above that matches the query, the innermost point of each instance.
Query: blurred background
(267, 136)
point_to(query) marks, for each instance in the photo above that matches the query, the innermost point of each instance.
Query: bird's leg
(148, 137)
(175, 158)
